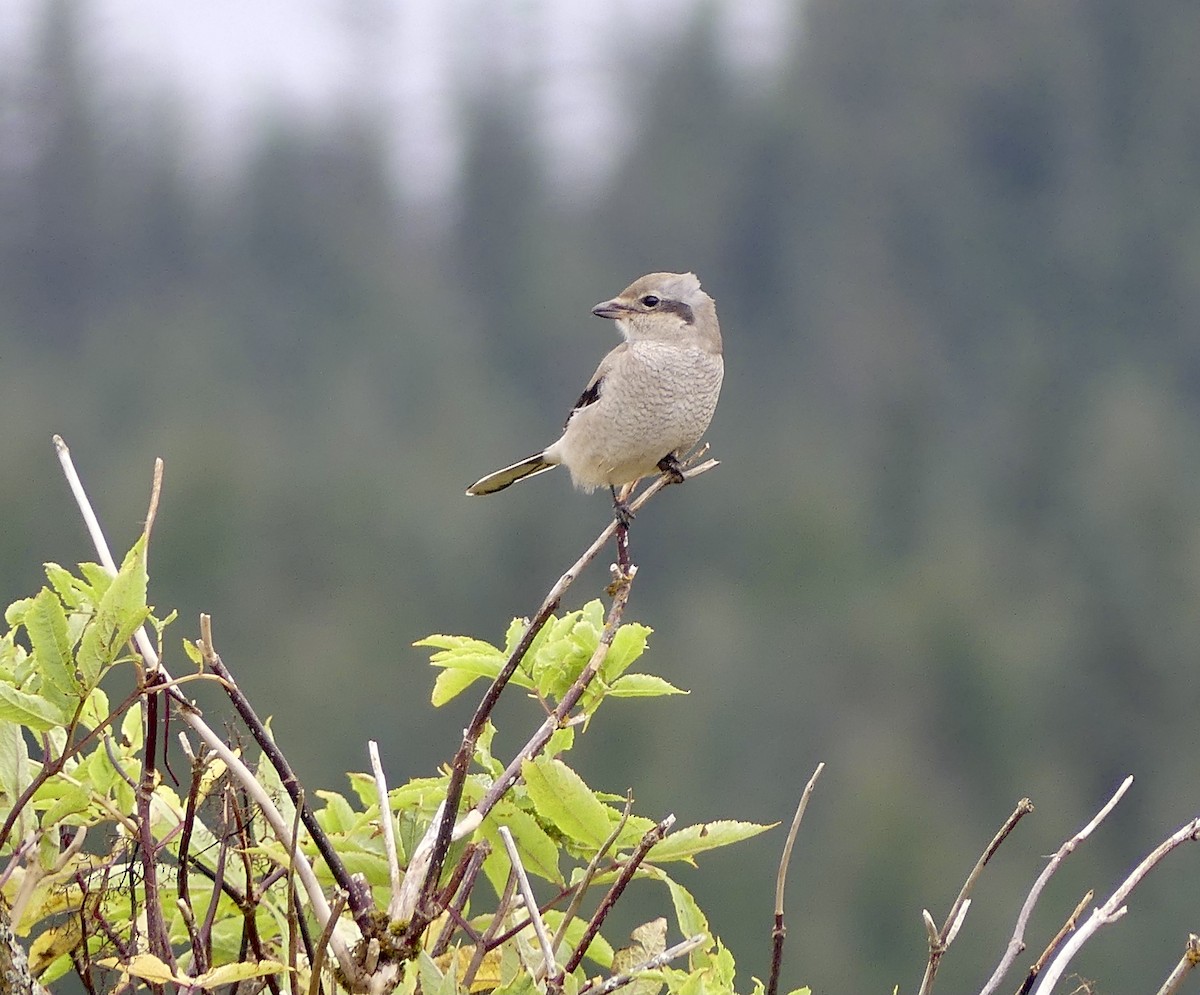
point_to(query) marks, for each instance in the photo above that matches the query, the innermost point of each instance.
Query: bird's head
(665, 307)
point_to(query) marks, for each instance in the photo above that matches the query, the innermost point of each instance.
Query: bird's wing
(591, 393)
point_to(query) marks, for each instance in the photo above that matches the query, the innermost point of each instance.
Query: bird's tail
(501, 479)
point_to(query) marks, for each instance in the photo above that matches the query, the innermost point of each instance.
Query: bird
(650, 399)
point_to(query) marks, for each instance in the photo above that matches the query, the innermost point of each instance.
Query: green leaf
(73, 592)
(642, 686)
(14, 773)
(629, 642)
(688, 916)
(71, 802)
(30, 710)
(120, 611)
(686, 843)
(338, 816)
(561, 797)
(46, 623)
(537, 851)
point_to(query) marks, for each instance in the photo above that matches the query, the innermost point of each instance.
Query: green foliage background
(954, 546)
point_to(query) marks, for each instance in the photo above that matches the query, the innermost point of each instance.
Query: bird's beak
(610, 309)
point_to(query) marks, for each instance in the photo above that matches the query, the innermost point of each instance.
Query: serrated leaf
(119, 613)
(449, 684)
(629, 642)
(537, 851)
(30, 710)
(561, 797)
(337, 816)
(642, 686)
(685, 843)
(688, 915)
(14, 773)
(46, 622)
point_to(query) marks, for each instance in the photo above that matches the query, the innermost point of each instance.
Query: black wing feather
(590, 396)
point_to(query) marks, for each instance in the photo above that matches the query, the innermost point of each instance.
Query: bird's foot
(621, 510)
(671, 466)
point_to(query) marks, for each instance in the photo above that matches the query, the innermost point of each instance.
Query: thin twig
(485, 941)
(323, 942)
(1017, 943)
(1190, 958)
(610, 985)
(939, 941)
(1115, 907)
(653, 836)
(457, 893)
(361, 904)
(191, 715)
(557, 719)
(590, 872)
(1046, 954)
(550, 969)
(779, 931)
(423, 866)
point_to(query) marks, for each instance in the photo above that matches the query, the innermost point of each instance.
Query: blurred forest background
(953, 548)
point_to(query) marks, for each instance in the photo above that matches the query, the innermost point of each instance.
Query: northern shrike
(650, 399)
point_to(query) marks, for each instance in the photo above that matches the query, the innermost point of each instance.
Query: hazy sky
(228, 61)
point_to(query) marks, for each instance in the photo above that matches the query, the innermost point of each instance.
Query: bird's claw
(671, 466)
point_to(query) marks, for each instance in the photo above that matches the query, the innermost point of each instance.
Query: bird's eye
(650, 301)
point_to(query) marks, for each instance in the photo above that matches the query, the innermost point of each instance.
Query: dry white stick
(550, 968)
(389, 829)
(1190, 958)
(234, 763)
(1017, 943)
(1114, 908)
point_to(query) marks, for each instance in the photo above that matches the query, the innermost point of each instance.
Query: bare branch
(389, 829)
(593, 866)
(1017, 943)
(550, 969)
(1190, 958)
(1115, 907)
(1046, 954)
(653, 836)
(658, 960)
(779, 930)
(191, 715)
(939, 944)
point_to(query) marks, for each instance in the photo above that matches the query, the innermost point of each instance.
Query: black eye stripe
(679, 308)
